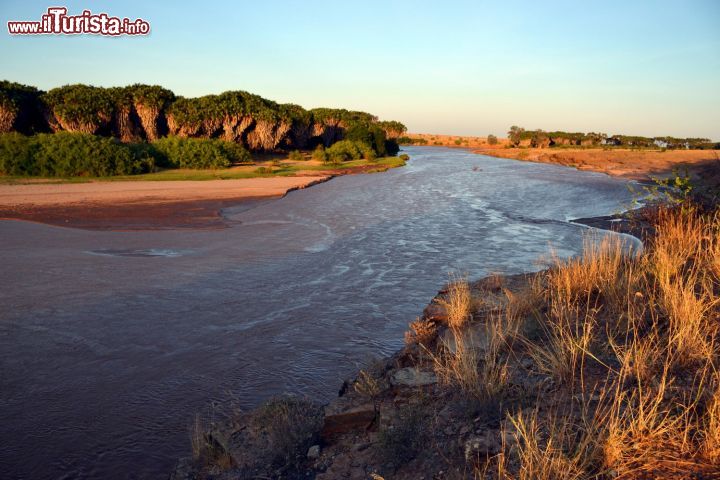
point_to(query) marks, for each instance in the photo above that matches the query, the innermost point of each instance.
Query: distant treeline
(539, 138)
(148, 112)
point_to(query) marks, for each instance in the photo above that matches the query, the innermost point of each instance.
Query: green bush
(346, 150)
(296, 155)
(320, 154)
(178, 152)
(16, 154)
(492, 140)
(66, 154)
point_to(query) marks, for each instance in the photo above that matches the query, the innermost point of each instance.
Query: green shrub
(66, 154)
(16, 154)
(296, 155)
(178, 152)
(320, 154)
(492, 140)
(346, 150)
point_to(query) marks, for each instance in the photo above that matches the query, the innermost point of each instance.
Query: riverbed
(111, 341)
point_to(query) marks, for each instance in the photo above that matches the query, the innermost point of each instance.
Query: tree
(515, 135)
(492, 140)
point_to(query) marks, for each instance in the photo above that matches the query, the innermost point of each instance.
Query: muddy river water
(111, 341)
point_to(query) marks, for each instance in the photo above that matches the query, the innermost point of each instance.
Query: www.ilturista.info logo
(57, 22)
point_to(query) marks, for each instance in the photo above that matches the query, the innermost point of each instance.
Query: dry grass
(458, 302)
(550, 449)
(477, 367)
(422, 332)
(205, 451)
(367, 385)
(711, 437)
(649, 324)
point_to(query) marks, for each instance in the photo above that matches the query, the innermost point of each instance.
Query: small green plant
(674, 189)
(296, 155)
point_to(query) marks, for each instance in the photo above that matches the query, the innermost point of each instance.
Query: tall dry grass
(458, 302)
(649, 325)
(475, 363)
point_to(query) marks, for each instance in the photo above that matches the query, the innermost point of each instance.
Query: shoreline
(150, 205)
(639, 165)
(132, 205)
(351, 422)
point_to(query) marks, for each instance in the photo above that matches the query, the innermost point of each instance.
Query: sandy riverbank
(140, 204)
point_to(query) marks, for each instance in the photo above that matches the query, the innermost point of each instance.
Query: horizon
(651, 70)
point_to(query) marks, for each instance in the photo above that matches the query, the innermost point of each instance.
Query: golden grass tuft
(422, 332)
(711, 424)
(474, 363)
(649, 325)
(458, 303)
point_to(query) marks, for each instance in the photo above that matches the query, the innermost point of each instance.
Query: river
(111, 341)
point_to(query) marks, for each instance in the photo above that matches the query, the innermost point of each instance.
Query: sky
(450, 67)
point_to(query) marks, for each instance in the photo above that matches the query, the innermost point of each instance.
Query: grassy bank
(267, 168)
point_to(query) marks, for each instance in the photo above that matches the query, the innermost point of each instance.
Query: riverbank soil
(139, 204)
(642, 165)
(164, 200)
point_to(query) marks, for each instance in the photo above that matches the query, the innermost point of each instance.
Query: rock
(436, 312)
(473, 336)
(479, 446)
(184, 470)
(412, 377)
(344, 415)
(313, 452)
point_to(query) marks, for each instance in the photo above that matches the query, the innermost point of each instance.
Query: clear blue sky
(458, 67)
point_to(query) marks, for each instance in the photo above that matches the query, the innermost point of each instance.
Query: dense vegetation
(539, 138)
(156, 127)
(146, 112)
(68, 154)
(177, 152)
(75, 154)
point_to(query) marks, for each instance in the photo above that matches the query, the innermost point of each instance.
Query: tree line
(148, 112)
(518, 136)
